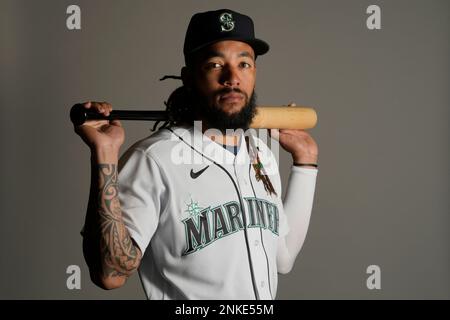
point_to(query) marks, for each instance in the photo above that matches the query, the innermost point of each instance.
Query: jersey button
(262, 284)
(256, 243)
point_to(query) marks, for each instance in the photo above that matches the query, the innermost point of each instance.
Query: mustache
(229, 90)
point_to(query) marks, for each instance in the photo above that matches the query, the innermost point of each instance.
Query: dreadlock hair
(179, 108)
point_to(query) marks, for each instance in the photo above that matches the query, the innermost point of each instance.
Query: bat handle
(79, 115)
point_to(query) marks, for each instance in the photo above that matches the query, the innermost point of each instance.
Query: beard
(216, 118)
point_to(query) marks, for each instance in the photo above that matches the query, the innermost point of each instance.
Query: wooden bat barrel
(284, 118)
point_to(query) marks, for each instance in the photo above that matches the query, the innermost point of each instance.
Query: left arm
(297, 204)
(299, 196)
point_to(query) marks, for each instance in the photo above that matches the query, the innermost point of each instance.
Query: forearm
(108, 247)
(297, 205)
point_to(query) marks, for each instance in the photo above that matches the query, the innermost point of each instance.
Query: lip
(231, 97)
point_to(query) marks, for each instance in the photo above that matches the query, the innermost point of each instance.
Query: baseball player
(197, 209)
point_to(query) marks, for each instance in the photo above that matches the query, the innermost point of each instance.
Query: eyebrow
(213, 53)
(246, 54)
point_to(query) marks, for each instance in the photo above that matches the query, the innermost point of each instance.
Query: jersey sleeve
(284, 226)
(297, 206)
(283, 222)
(141, 195)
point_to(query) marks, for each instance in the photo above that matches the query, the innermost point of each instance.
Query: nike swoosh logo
(195, 175)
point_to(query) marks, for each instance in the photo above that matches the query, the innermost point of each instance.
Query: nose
(230, 77)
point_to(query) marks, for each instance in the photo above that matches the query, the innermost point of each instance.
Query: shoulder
(159, 145)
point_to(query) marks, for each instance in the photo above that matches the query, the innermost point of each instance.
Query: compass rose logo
(193, 209)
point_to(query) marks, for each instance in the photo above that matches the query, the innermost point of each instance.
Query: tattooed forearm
(120, 255)
(111, 246)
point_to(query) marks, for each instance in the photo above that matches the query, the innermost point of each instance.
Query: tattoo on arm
(120, 256)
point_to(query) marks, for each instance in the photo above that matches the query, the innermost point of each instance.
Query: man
(215, 228)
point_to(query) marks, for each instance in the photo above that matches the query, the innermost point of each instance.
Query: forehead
(227, 49)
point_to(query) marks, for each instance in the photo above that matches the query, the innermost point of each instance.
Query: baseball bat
(268, 117)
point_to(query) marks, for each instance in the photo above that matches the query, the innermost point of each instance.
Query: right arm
(109, 251)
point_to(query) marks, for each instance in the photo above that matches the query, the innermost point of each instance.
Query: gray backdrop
(383, 105)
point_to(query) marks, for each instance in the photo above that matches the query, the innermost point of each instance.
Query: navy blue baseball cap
(206, 28)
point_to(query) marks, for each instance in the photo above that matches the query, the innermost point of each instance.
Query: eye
(213, 65)
(245, 65)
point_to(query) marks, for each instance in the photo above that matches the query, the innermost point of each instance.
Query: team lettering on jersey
(204, 226)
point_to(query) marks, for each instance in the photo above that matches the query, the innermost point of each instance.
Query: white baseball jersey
(206, 227)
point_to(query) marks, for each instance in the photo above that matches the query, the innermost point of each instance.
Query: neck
(215, 135)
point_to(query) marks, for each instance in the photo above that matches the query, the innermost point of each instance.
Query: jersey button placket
(256, 250)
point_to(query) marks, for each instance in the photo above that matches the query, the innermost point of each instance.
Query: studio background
(383, 110)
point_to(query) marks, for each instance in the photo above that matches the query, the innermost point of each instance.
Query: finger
(96, 106)
(96, 123)
(100, 107)
(87, 105)
(295, 132)
(107, 105)
(104, 107)
(107, 108)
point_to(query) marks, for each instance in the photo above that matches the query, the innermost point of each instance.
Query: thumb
(115, 123)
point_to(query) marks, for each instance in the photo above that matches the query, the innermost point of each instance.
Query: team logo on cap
(226, 22)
